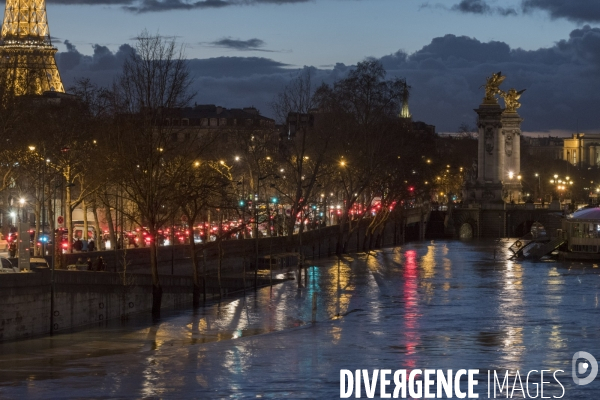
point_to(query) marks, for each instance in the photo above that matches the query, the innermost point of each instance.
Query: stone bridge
(500, 220)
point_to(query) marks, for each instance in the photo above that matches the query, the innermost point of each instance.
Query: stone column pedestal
(486, 185)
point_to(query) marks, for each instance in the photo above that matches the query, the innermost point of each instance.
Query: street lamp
(511, 175)
(21, 204)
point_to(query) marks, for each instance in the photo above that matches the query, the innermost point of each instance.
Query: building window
(174, 136)
(574, 157)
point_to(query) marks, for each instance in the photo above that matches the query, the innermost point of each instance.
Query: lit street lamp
(21, 204)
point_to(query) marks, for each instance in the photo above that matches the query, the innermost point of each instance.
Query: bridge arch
(523, 228)
(465, 231)
(465, 225)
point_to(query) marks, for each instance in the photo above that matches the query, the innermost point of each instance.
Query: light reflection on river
(441, 305)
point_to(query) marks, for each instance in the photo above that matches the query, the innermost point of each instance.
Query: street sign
(60, 219)
(184, 218)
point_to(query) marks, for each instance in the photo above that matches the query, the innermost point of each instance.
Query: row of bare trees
(109, 149)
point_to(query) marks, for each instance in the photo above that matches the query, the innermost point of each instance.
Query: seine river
(427, 305)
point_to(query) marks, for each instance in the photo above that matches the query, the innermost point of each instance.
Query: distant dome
(586, 214)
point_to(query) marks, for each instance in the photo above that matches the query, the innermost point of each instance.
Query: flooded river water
(436, 305)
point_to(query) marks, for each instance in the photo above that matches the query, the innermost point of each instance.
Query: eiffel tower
(27, 64)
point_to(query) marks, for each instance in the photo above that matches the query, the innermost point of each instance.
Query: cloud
(446, 77)
(574, 10)
(242, 45)
(561, 80)
(143, 6)
(481, 7)
(91, 2)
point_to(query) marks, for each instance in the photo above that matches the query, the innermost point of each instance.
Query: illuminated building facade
(582, 150)
(27, 63)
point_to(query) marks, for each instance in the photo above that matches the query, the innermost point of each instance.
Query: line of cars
(8, 266)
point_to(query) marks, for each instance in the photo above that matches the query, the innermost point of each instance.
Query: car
(6, 266)
(38, 262)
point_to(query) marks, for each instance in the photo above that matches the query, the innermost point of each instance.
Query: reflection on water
(439, 304)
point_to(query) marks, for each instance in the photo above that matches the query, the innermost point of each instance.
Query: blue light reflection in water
(440, 305)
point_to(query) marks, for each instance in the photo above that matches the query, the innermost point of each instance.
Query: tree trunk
(204, 274)
(38, 226)
(195, 275)
(219, 268)
(111, 227)
(5, 215)
(98, 238)
(156, 287)
(340, 248)
(68, 211)
(85, 221)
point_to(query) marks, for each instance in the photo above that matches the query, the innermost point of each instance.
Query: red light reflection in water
(411, 276)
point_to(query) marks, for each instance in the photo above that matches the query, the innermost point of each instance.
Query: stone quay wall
(316, 243)
(83, 298)
(28, 308)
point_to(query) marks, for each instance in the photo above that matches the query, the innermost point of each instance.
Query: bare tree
(363, 106)
(303, 149)
(155, 79)
(204, 185)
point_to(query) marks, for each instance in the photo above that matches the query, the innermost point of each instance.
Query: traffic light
(242, 203)
(274, 200)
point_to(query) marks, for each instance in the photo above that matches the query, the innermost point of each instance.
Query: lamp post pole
(255, 203)
(44, 205)
(539, 186)
(54, 250)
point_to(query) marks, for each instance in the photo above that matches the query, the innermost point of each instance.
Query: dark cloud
(446, 77)
(142, 6)
(236, 67)
(574, 10)
(481, 7)
(561, 81)
(91, 2)
(236, 44)
(472, 6)
(102, 66)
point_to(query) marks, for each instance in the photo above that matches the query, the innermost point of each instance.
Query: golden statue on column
(492, 88)
(511, 99)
